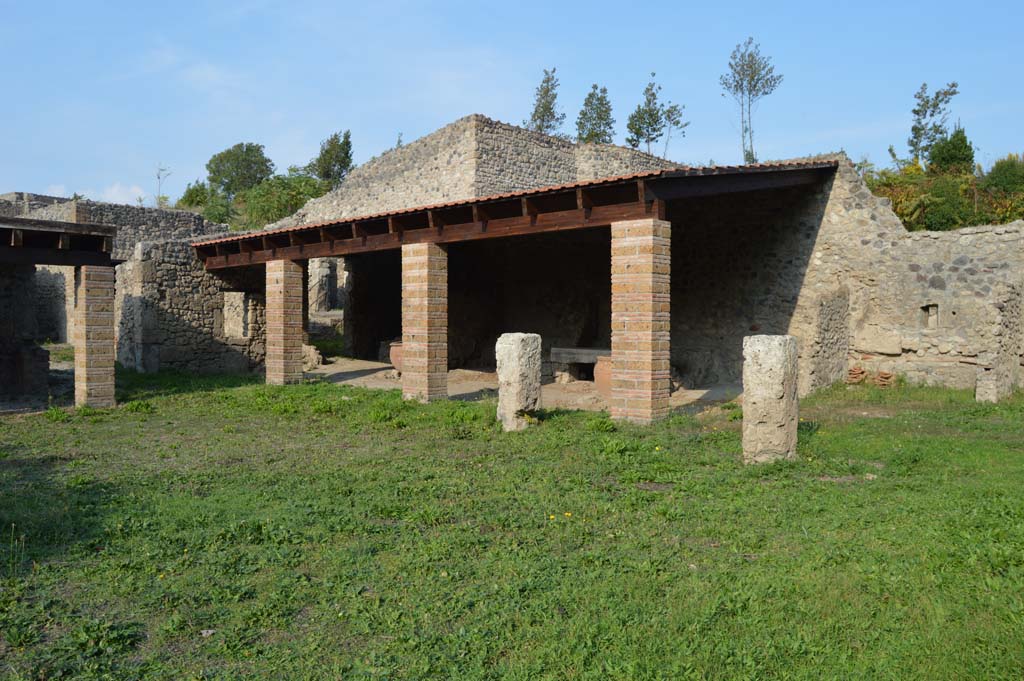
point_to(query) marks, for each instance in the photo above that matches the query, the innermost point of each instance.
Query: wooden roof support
(480, 217)
(530, 209)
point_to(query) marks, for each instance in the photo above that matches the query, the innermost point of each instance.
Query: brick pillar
(93, 336)
(284, 322)
(641, 259)
(424, 322)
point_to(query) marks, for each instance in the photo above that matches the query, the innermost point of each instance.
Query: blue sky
(98, 94)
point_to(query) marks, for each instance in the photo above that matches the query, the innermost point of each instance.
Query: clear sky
(96, 95)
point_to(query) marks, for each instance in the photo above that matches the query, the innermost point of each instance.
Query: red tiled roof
(678, 171)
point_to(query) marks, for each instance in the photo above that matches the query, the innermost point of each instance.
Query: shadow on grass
(132, 385)
(45, 513)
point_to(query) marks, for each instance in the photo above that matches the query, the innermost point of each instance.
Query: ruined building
(482, 228)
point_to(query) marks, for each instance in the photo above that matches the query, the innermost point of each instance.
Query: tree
(334, 162)
(241, 167)
(952, 155)
(219, 207)
(197, 195)
(279, 197)
(751, 77)
(673, 114)
(930, 115)
(650, 121)
(595, 122)
(545, 117)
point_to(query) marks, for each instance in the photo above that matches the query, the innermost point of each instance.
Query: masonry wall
(926, 312)
(170, 313)
(739, 267)
(23, 364)
(54, 301)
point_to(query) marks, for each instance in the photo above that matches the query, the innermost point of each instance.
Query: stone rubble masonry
(94, 337)
(284, 322)
(519, 370)
(424, 322)
(171, 313)
(999, 368)
(770, 405)
(641, 376)
(472, 157)
(135, 224)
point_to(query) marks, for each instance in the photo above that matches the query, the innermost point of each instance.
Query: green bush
(1006, 175)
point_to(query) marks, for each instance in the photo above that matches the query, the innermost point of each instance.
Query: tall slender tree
(546, 118)
(751, 77)
(595, 122)
(931, 115)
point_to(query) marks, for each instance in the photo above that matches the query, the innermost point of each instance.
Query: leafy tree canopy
(278, 197)
(595, 122)
(241, 167)
(334, 162)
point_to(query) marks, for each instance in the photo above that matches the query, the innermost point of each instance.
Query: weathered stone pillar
(93, 336)
(641, 260)
(518, 356)
(770, 406)
(284, 322)
(424, 322)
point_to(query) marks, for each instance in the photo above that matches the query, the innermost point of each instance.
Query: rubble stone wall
(170, 313)
(23, 364)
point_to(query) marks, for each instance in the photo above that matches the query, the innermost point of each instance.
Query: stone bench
(566, 363)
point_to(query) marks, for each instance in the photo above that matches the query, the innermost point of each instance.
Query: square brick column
(424, 322)
(93, 336)
(284, 322)
(641, 259)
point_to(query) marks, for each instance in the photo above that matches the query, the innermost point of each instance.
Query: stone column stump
(770, 406)
(94, 337)
(519, 370)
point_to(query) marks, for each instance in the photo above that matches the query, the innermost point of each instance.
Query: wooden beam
(52, 256)
(584, 202)
(64, 242)
(601, 216)
(17, 238)
(530, 210)
(34, 225)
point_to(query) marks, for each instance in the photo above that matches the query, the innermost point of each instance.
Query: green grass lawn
(221, 529)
